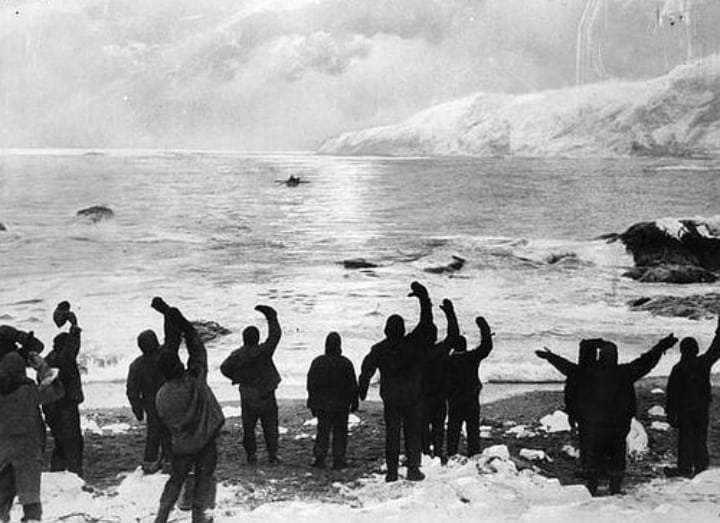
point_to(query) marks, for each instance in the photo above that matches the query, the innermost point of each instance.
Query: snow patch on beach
(489, 482)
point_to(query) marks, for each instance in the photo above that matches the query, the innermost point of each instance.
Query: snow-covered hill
(675, 114)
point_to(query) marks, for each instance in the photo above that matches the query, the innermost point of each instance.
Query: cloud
(287, 73)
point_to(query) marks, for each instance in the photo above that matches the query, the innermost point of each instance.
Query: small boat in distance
(292, 181)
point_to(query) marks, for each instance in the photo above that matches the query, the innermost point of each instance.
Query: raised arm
(274, 330)
(640, 366)
(197, 355)
(564, 366)
(713, 353)
(425, 331)
(483, 350)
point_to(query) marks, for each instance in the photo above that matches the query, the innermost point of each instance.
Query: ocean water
(214, 234)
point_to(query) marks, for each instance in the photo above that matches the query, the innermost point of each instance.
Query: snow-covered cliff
(675, 114)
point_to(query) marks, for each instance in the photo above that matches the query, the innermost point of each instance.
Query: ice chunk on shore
(520, 431)
(657, 390)
(571, 451)
(497, 451)
(555, 422)
(89, 425)
(637, 439)
(660, 425)
(534, 455)
(657, 412)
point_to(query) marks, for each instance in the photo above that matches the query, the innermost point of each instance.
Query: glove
(418, 289)
(159, 305)
(667, 342)
(354, 406)
(314, 413)
(446, 305)
(481, 322)
(543, 354)
(266, 310)
(139, 413)
(362, 394)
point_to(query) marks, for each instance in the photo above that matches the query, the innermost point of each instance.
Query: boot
(391, 476)
(199, 515)
(615, 482)
(414, 474)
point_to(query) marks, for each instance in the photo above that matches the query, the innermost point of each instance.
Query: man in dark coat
(607, 404)
(143, 382)
(464, 389)
(332, 394)
(188, 407)
(687, 404)
(252, 368)
(399, 358)
(434, 384)
(587, 356)
(63, 415)
(22, 437)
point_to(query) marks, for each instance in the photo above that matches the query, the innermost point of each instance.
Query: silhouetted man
(464, 389)
(143, 382)
(434, 402)
(587, 357)
(399, 358)
(607, 405)
(188, 407)
(63, 415)
(252, 368)
(332, 394)
(687, 404)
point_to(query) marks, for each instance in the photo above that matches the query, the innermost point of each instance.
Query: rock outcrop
(694, 307)
(96, 213)
(674, 250)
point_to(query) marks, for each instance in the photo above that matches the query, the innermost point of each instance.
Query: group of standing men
(423, 382)
(601, 402)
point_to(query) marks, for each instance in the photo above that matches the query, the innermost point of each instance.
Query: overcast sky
(285, 74)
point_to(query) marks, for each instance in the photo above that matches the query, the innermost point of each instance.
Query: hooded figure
(143, 382)
(22, 438)
(606, 405)
(434, 378)
(332, 395)
(63, 415)
(399, 358)
(252, 368)
(687, 404)
(188, 408)
(464, 389)
(587, 357)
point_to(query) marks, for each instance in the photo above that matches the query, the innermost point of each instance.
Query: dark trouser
(63, 418)
(433, 425)
(407, 418)
(582, 445)
(268, 416)
(158, 437)
(467, 412)
(8, 491)
(337, 422)
(606, 448)
(204, 463)
(692, 443)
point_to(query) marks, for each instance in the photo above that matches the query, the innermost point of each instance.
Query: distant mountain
(675, 114)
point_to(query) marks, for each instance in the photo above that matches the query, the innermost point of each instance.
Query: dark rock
(209, 330)
(694, 307)
(671, 274)
(358, 263)
(2, 227)
(453, 266)
(96, 213)
(651, 244)
(672, 251)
